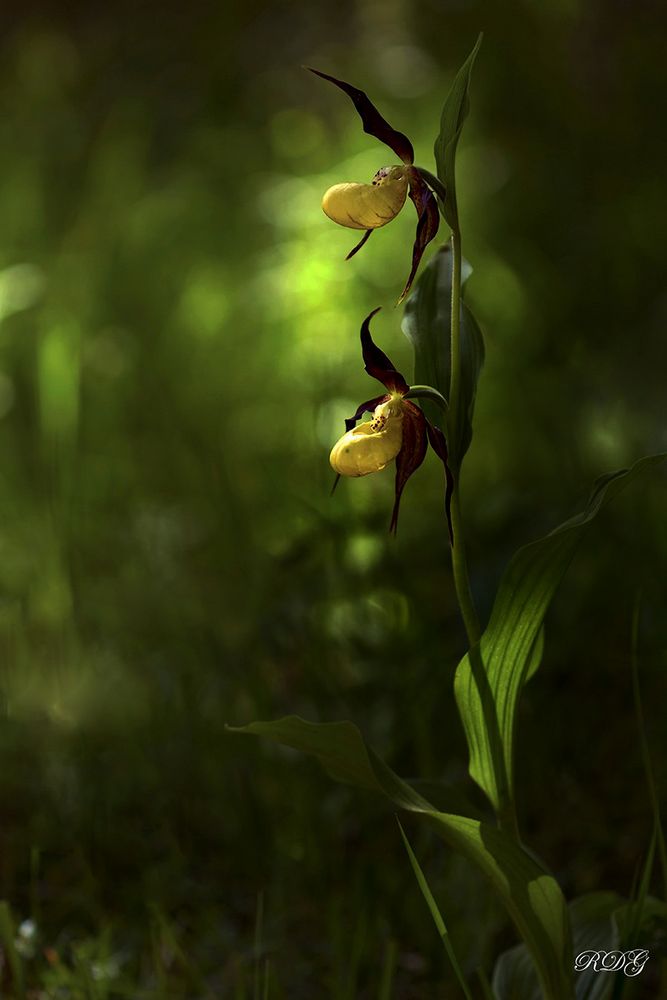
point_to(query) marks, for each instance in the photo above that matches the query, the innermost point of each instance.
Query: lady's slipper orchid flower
(370, 206)
(398, 429)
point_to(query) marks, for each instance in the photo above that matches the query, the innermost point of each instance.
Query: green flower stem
(506, 814)
(460, 570)
(459, 562)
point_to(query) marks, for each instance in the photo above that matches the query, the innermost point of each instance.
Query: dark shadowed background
(178, 348)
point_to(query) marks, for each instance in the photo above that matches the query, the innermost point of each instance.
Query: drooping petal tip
(371, 119)
(428, 221)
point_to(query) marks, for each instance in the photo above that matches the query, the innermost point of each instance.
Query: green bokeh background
(178, 347)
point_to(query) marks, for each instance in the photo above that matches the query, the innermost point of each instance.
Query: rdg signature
(630, 962)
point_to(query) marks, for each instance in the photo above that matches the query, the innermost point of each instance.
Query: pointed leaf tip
(454, 113)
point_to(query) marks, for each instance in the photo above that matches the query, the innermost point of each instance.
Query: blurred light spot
(26, 938)
(605, 434)
(21, 286)
(362, 552)
(204, 303)
(7, 394)
(59, 379)
(405, 70)
(108, 969)
(393, 606)
(276, 280)
(367, 619)
(295, 132)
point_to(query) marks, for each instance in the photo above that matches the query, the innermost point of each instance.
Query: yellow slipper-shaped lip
(372, 445)
(368, 206)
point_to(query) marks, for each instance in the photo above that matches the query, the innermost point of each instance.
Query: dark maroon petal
(411, 455)
(372, 120)
(376, 361)
(427, 225)
(439, 445)
(359, 244)
(366, 407)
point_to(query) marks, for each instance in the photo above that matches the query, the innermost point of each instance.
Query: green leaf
(531, 897)
(597, 920)
(427, 325)
(490, 677)
(454, 114)
(515, 978)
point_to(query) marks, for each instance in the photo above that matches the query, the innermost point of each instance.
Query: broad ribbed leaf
(490, 677)
(427, 325)
(591, 917)
(530, 895)
(595, 918)
(514, 976)
(454, 114)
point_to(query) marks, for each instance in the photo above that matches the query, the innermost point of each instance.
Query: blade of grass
(267, 979)
(35, 911)
(356, 953)
(388, 970)
(485, 985)
(640, 890)
(239, 983)
(167, 937)
(636, 912)
(7, 939)
(257, 944)
(645, 751)
(435, 913)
